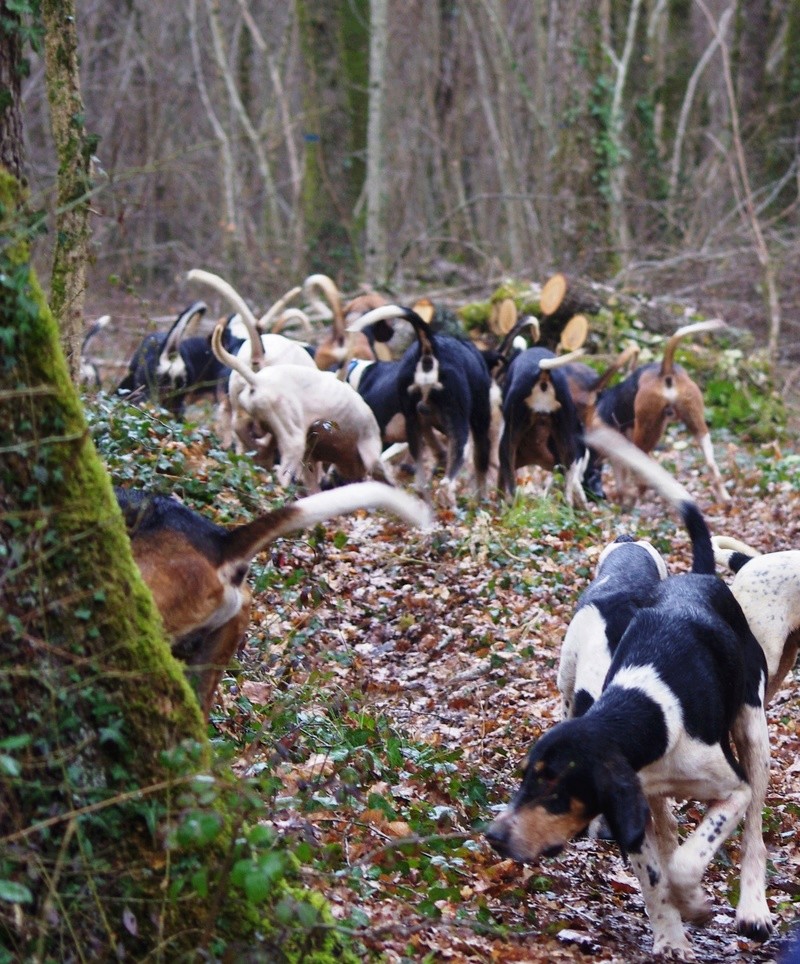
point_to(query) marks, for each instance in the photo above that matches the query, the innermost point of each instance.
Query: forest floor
(393, 681)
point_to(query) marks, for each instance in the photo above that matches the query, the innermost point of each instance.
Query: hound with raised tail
(284, 401)
(687, 675)
(767, 587)
(443, 385)
(167, 367)
(256, 351)
(641, 405)
(197, 571)
(541, 425)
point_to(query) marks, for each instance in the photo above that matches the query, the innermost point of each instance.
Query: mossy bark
(114, 843)
(335, 44)
(92, 704)
(74, 148)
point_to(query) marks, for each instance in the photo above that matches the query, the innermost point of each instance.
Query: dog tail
(732, 553)
(265, 322)
(626, 357)
(616, 448)
(176, 332)
(546, 364)
(96, 327)
(239, 305)
(668, 361)
(328, 287)
(245, 541)
(385, 312)
(231, 361)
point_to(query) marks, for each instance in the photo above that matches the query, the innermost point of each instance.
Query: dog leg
(751, 737)
(665, 919)
(573, 490)
(689, 408)
(693, 856)
(693, 904)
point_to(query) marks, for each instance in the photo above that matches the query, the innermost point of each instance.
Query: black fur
(562, 428)
(459, 407)
(696, 638)
(147, 514)
(378, 386)
(202, 371)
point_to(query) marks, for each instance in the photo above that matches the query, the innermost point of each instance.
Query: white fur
(768, 590)
(284, 400)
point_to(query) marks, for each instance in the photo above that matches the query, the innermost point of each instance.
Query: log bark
(564, 295)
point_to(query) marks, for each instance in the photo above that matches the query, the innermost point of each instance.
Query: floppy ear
(622, 803)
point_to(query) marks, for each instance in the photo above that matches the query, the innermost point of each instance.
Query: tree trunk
(71, 256)
(112, 846)
(376, 261)
(86, 674)
(11, 143)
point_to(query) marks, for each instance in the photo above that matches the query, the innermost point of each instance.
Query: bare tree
(74, 148)
(375, 260)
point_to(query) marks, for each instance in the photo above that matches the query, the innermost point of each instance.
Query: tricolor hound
(197, 571)
(687, 676)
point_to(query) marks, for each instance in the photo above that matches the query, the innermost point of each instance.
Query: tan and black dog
(642, 404)
(197, 571)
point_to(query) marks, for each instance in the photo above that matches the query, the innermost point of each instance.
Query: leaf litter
(393, 682)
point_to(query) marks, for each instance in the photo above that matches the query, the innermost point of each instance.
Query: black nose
(498, 838)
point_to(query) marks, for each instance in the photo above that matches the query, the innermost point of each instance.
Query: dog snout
(497, 835)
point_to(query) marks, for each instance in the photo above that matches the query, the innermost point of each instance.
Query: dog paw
(676, 950)
(756, 928)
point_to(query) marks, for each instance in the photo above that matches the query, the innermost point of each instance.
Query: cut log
(503, 317)
(564, 296)
(574, 334)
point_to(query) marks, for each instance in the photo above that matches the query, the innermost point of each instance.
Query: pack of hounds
(664, 678)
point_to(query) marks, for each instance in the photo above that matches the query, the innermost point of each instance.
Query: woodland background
(652, 144)
(391, 682)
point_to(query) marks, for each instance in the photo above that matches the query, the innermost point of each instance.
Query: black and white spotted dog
(628, 577)
(687, 677)
(767, 587)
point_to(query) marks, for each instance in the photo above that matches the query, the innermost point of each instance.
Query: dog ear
(622, 803)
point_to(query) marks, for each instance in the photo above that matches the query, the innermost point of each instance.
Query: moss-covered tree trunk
(93, 706)
(74, 147)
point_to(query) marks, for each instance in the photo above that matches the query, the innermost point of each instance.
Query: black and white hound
(541, 425)
(442, 384)
(767, 587)
(686, 677)
(628, 577)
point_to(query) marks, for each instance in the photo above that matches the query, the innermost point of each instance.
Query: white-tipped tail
(558, 361)
(726, 547)
(359, 495)
(712, 324)
(234, 299)
(272, 313)
(382, 313)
